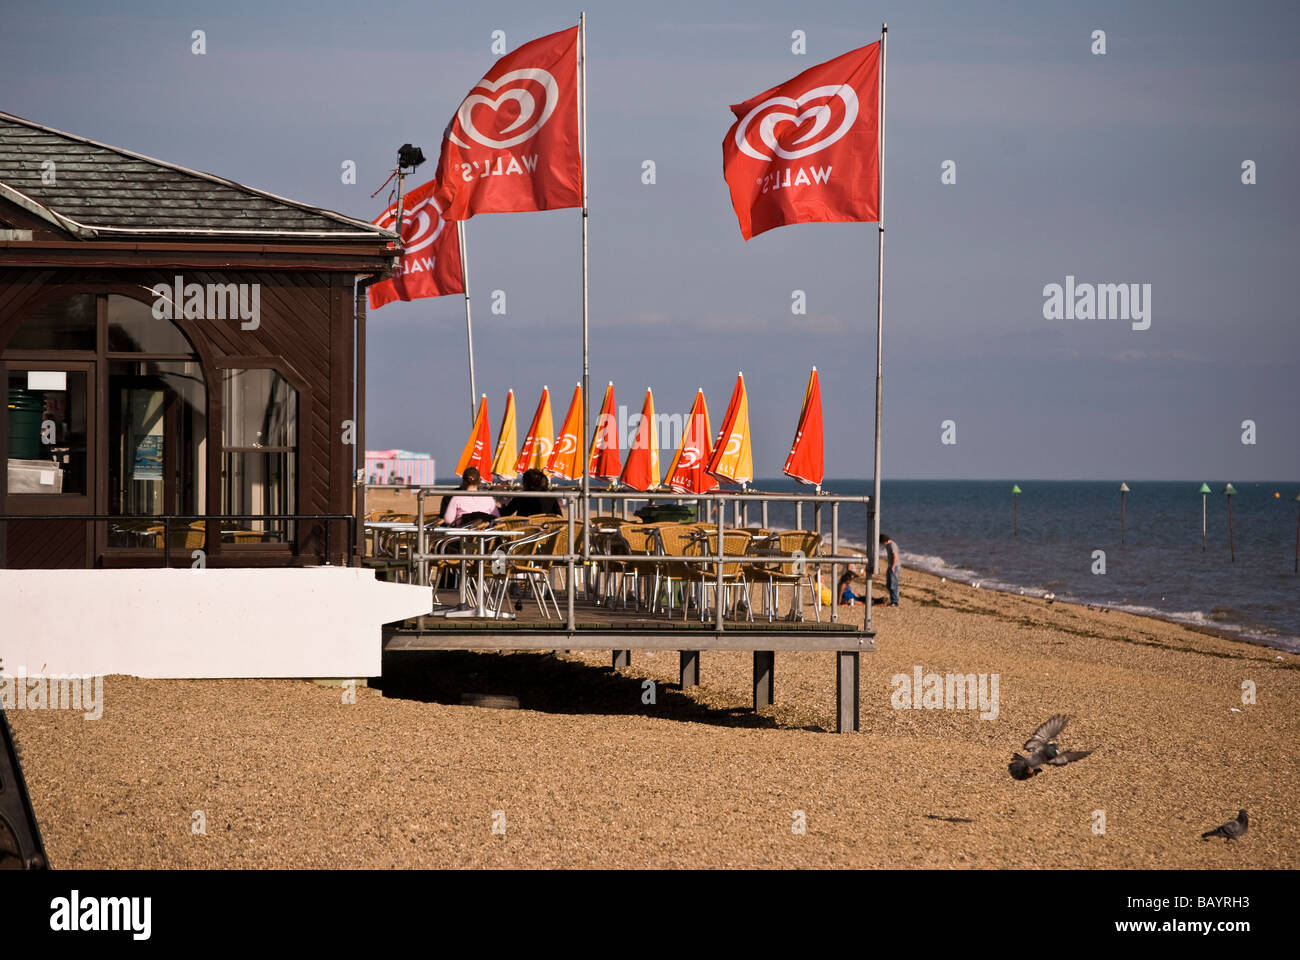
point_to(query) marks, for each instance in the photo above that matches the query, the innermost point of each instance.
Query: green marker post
(1015, 508)
(1205, 489)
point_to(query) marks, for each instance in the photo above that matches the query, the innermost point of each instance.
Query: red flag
(512, 145)
(687, 474)
(430, 262)
(478, 448)
(603, 463)
(805, 460)
(809, 149)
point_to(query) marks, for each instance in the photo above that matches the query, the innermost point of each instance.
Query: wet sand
(287, 774)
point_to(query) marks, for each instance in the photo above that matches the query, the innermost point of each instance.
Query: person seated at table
(466, 508)
(534, 481)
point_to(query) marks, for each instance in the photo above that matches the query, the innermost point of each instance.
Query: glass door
(156, 424)
(49, 439)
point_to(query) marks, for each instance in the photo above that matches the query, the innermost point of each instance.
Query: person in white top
(461, 506)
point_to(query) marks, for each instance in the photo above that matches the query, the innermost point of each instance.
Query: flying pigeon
(1042, 750)
(1230, 830)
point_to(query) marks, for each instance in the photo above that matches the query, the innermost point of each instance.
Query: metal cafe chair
(641, 542)
(792, 552)
(518, 566)
(735, 543)
(675, 539)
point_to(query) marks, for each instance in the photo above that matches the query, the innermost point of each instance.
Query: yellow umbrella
(540, 439)
(503, 461)
(732, 456)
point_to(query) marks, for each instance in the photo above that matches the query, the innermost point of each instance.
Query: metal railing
(168, 520)
(712, 507)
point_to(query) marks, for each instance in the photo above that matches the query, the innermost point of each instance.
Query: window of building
(259, 439)
(48, 431)
(66, 324)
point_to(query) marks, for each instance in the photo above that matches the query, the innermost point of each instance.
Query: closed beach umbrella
(732, 457)
(566, 458)
(641, 472)
(540, 440)
(503, 461)
(806, 460)
(603, 462)
(477, 446)
(687, 473)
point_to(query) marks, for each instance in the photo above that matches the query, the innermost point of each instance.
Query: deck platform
(620, 630)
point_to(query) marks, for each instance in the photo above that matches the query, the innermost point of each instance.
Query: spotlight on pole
(409, 156)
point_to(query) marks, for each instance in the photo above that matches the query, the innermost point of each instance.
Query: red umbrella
(478, 448)
(805, 462)
(603, 463)
(687, 474)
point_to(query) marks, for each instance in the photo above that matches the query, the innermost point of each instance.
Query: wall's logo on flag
(520, 91)
(430, 261)
(824, 110)
(808, 149)
(512, 145)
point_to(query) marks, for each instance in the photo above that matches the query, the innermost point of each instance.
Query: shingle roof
(106, 191)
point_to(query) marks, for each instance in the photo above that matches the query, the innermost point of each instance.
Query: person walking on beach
(891, 570)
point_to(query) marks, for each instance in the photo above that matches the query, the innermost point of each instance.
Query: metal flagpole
(469, 326)
(586, 369)
(874, 546)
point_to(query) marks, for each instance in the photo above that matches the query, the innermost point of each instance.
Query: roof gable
(104, 191)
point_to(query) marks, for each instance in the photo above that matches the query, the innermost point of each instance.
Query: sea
(1067, 533)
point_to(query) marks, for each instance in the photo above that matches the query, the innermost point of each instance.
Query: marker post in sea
(1205, 489)
(1297, 533)
(1015, 508)
(1228, 491)
(1123, 492)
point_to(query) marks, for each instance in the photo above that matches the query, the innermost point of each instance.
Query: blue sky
(1122, 168)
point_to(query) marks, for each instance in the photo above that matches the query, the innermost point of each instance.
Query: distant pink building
(399, 467)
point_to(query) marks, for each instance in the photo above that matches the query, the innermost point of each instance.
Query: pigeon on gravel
(1042, 750)
(1230, 830)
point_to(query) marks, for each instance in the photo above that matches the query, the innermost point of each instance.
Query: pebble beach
(587, 774)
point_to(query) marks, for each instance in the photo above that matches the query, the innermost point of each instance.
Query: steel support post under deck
(764, 664)
(690, 668)
(846, 691)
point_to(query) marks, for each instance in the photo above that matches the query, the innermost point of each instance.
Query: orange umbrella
(566, 458)
(603, 462)
(733, 458)
(540, 439)
(477, 446)
(687, 473)
(641, 472)
(503, 461)
(806, 453)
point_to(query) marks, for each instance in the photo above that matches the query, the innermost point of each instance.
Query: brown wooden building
(176, 350)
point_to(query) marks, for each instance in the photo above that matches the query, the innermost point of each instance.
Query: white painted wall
(313, 622)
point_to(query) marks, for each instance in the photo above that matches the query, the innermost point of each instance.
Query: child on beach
(847, 597)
